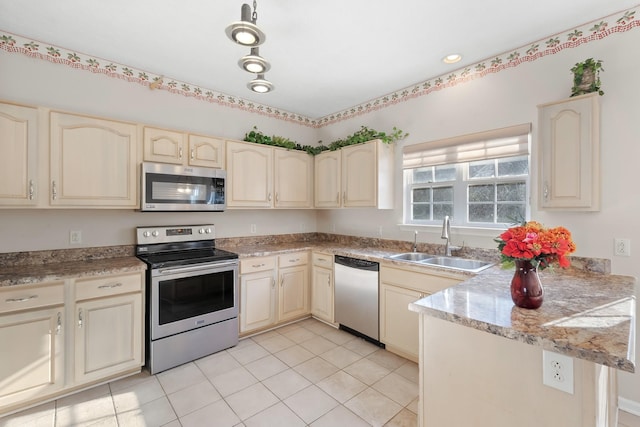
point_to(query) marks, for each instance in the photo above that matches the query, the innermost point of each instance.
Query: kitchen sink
(456, 263)
(411, 256)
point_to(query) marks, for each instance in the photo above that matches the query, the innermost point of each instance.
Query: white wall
(506, 98)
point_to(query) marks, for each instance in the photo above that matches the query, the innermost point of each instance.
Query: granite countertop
(586, 315)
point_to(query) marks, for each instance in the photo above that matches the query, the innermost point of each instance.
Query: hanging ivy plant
(586, 77)
(363, 135)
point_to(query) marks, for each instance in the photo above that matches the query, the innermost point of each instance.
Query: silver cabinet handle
(545, 191)
(32, 189)
(193, 153)
(23, 299)
(54, 192)
(273, 283)
(59, 324)
(328, 281)
(269, 198)
(277, 197)
(322, 260)
(338, 197)
(80, 318)
(257, 265)
(282, 281)
(180, 152)
(110, 286)
(294, 260)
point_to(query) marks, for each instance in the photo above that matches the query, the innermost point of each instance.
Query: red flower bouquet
(532, 242)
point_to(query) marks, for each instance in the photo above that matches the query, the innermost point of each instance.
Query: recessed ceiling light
(452, 59)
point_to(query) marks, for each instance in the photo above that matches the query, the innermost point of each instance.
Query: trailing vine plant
(363, 135)
(586, 77)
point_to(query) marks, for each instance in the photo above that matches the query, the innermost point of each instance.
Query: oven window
(194, 296)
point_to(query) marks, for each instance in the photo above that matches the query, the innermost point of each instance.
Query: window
(489, 189)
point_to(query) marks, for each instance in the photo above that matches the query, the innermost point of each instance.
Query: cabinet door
(293, 179)
(249, 175)
(32, 355)
(327, 192)
(257, 300)
(399, 326)
(93, 162)
(293, 296)
(206, 151)
(18, 155)
(108, 337)
(322, 293)
(359, 176)
(570, 154)
(164, 146)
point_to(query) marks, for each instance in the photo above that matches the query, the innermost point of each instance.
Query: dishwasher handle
(360, 264)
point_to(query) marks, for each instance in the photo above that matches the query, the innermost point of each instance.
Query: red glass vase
(526, 288)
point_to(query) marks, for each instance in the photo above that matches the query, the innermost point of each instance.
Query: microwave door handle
(198, 267)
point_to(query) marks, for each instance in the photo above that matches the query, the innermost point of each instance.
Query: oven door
(189, 297)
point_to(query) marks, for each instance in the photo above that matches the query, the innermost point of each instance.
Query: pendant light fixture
(260, 84)
(254, 63)
(245, 31)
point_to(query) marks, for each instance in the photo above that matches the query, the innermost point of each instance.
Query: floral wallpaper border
(575, 37)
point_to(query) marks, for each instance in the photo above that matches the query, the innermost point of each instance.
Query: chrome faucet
(415, 241)
(446, 234)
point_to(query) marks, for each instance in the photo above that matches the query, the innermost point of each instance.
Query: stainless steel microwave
(168, 187)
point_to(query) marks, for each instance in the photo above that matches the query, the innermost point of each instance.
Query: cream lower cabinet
(399, 327)
(258, 293)
(569, 146)
(18, 155)
(93, 162)
(108, 326)
(322, 286)
(293, 279)
(32, 333)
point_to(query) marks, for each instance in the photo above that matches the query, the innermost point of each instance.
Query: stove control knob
(146, 234)
(201, 231)
(208, 231)
(156, 233)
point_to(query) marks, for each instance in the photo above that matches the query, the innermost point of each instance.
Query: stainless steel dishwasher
(356, 296)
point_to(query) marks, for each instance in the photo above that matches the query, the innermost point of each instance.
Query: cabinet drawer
(322, 260)
(24, 297)
(293, 259)
(421, 282)
(251, 265)
(98, 287)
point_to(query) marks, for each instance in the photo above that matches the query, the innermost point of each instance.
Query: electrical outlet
(253, 229)
(75, 237)
(622, 247)
(557, 371)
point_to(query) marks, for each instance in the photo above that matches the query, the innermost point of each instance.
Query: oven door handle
(199, 267)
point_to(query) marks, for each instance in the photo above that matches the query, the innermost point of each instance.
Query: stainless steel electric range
(191, 294)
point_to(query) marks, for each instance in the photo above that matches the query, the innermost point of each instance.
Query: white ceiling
(326, 55)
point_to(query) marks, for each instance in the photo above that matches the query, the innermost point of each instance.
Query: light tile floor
(303, 374)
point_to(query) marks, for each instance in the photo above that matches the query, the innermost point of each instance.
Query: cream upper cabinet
(93, 162)
(249, 175)
(399, 327)
(164, 146)
(206, 151)
(180, 148)
(32, 322)
(18, 155)
(365, 177)
(328, 189)
(293, 179)
(258, 294)
(322, 286)
(569, 144)
(293, 280)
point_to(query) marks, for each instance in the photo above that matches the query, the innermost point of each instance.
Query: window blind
(493, 144)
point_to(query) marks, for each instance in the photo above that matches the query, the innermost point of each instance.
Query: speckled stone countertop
(584, 315)
(23, 268)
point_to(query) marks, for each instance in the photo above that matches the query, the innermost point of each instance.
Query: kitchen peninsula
(481, 357)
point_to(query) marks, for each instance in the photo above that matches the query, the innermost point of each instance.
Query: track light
(254, 63)
(245, 31)
(260, 84)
